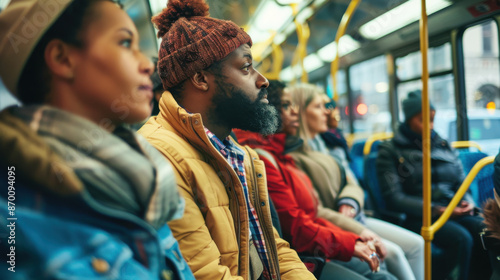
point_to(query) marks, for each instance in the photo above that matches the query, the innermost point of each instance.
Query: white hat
(22, 25)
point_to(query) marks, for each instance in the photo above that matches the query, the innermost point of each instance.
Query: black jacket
(399, 171)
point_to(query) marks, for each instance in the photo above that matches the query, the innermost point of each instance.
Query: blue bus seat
(357, 159)
(482, 186)
(397, 218)
(375, 193)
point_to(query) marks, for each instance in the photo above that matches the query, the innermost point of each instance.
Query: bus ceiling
(372, 29)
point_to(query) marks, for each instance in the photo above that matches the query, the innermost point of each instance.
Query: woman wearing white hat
(84, 197)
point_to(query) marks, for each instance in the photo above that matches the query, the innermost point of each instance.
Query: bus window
(369, 83)
(482, 82)
(441, 94)
(441, 84)
(410, 66)
(343, 101)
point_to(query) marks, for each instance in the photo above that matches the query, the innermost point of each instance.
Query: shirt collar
(219, 145)
(223, 146)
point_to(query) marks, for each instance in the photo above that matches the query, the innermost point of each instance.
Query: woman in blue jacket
(84, 197)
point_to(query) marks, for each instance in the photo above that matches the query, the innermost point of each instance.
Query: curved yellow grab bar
(465, 144)
(344, 22)
(428, 233)
(375, 137)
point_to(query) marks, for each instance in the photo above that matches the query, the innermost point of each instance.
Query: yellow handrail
(375, 137)
(276, 65)
(344, 22)
(349, 137)
(426, 139)
(278, 58)
(265, 65)
(465, 144)
(300, 53)
(258, 49)
(428, 232)
(460, 193)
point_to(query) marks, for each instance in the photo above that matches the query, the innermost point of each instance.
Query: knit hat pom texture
(192, 41)
(177, 9)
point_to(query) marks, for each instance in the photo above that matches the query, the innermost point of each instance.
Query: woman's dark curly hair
(274, 93)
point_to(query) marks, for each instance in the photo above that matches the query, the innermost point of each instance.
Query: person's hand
(380, 248)
(347, 210)
(374, 241)
(464, 208)
(438, 211)
(367, 235)
(364, 253)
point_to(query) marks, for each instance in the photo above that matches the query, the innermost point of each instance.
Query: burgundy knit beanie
(192, 41)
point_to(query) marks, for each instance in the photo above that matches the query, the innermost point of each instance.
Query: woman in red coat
(297, 205)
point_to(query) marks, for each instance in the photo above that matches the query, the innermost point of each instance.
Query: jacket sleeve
(324, 210)
(305, 234)
(195, 241)
(291, 267)
(352, 190)
(339, 219)
(391, 185)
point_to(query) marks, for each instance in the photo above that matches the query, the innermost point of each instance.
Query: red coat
(292, 195)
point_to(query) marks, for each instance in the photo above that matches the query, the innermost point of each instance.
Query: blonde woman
(341, 196)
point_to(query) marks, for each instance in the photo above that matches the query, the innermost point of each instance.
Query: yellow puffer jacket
(213, 234)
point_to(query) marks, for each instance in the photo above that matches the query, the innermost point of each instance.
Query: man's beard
(234, 108)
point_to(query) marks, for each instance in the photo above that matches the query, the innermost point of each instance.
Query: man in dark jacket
(399, 168)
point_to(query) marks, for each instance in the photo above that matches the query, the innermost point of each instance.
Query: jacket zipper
(238, 221)
(233, 190)
(194, 130)
(271, 249)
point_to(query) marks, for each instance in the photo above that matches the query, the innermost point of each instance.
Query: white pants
(405, 249)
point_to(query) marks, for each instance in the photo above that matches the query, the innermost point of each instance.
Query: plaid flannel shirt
(235, 157)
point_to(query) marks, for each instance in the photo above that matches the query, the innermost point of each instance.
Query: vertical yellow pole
(344, 22)
(426, 135)
(277, 60)
(303, 52)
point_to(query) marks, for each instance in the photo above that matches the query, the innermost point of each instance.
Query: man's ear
(201, 80)
(58, 59)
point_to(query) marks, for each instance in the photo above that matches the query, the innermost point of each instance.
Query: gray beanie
(412, 105)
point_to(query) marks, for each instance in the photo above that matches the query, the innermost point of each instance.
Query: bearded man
(205, 65)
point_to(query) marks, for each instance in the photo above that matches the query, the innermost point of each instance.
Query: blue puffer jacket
(52, 228)
(66, 238)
